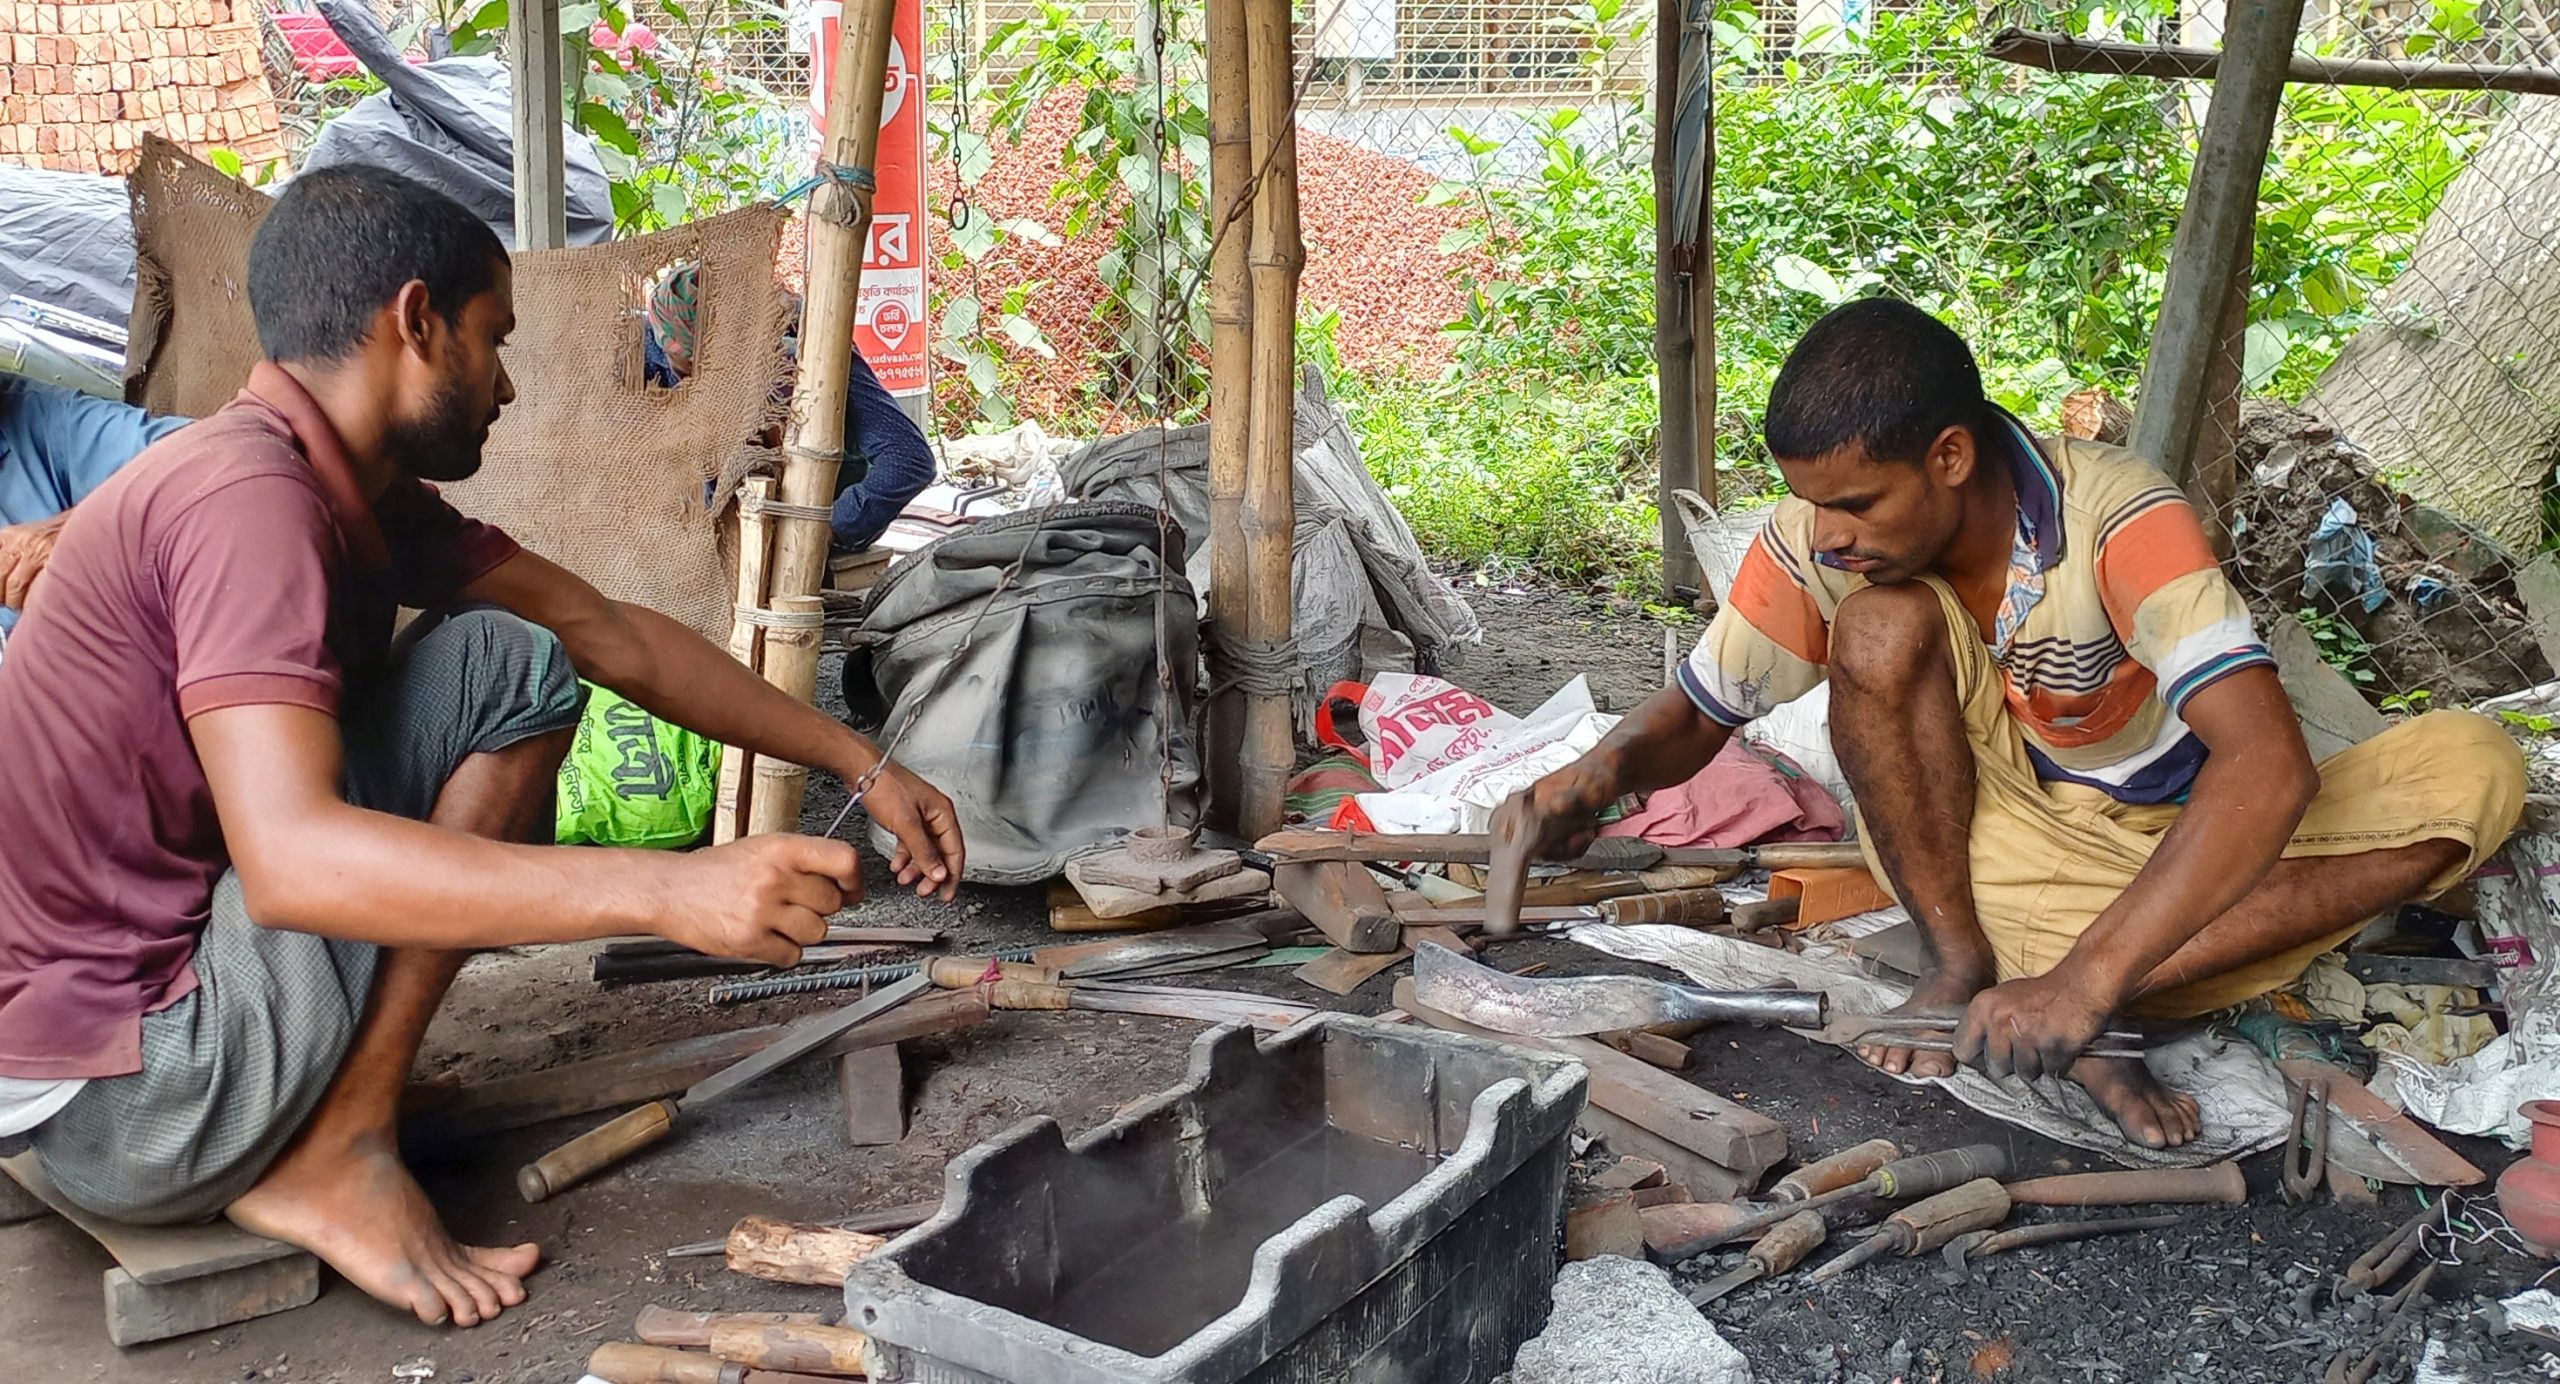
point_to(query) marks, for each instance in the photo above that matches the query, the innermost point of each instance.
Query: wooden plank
(604, 1083)
(154, 1255)
(139, 1312)
(2212, 244)
(1340, 972)
(2429, 1161)
(534, 55)
(873, 1085)
(1715, 1147)
(2063, 53)
(18, 1204)
(1343, 900)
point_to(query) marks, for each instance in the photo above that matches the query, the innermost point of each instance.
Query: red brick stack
(80, 80)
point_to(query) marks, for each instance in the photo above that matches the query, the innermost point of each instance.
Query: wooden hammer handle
(789, 1346)
(596, 1150)
(1698, 906)
(670, 1326)
(2220, 1183)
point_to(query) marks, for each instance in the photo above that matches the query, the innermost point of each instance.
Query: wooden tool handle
(596, 1150)
(1806, 855)
(1936, 1172)
(789, 1346)
(1789, 1241)
(1925, 1225)
(2220, 1183)
(962, 972)
(1029, 994)
(1847, 1167)
(668, 1326)
(620, 1362)
(784, 1252)
(1697, 906)
(1764, 913)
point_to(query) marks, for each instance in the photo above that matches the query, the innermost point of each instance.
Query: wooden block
(1668, 1194)
(1344, 901)
(782, 1252)
(1068, 913)
(138, 1312)
(1340, 972)
(1604, 1224)
(18, 1204)
(1628, 1174)
(1718, 1148)
(154, 1255)
(1653, 1049)
(873, 1085)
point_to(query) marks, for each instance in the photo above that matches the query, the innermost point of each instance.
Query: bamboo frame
(1230, 385)
(1269, 517)
(1675, 339)
(813, 449)
(790, 658)
(2062, 53)
(746, 644)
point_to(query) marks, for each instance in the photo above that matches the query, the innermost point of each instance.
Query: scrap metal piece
(2305, 1167)
(1572, 1006)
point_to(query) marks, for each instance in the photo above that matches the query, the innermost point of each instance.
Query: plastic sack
(1450, 757)
(631, 779)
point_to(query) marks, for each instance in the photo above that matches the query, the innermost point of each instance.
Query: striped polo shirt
(2116, 614)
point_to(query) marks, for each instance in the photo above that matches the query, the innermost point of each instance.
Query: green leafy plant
(2408, 703)
(2342, 648)
(1138, 162)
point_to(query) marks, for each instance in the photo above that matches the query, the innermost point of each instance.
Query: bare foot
(2148, 1112)
(358, 1208)
(1942, 991)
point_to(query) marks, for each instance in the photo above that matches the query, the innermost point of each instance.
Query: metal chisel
(628, 1133)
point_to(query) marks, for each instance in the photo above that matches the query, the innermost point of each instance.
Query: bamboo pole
(839, 224)
(2214, 232)
(790, 660)
(746, 644)
(1675, 342)
(2062, 53)
(1230, 384)
(1270, 513)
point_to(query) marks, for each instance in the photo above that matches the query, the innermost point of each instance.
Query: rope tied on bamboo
(843, 194)
(1261, 667)
(765, 618)
(783, 509)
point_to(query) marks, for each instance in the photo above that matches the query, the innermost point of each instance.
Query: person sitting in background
(56, 445)
(887, 460)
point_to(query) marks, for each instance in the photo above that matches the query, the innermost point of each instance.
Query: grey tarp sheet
(449, 125)
(66, 240)
(1051, 732)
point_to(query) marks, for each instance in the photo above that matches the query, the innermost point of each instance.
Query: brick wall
(80, 80)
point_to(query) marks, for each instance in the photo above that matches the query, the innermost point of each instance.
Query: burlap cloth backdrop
(589, 467)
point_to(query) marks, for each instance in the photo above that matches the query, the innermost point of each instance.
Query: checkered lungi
(232, 1071)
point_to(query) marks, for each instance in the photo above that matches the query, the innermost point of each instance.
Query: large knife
(628, 1133)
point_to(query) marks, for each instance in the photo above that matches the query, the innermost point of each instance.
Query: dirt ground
(2233, 1295)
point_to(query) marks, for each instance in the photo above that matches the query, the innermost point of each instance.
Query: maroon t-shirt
(233, 563)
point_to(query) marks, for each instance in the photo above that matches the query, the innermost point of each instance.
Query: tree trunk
(2455, 389)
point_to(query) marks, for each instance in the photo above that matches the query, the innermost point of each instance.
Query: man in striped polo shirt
(2072, 759)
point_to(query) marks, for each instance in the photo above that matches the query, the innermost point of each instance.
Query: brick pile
(81, 80)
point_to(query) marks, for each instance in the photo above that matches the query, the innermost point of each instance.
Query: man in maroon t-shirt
(251, 841)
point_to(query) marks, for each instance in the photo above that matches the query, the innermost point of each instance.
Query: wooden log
(746, 644)
(621, 1362)
(1230, 387)
(872, 1083)
(2063, 53)
(1670, 1054)
(784, 1252)
(669, 1326)
(1604, 1224)
(839, 223)
(1344, 901)
(790, 663)
(2213, 235)
(1675, 337)
(603, 1083)
(1269, 514)
(1707, 1143)
(831, 1350)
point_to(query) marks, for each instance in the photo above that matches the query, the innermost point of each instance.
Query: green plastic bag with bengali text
(633, 780)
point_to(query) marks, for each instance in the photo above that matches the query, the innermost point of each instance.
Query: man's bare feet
(1943, 991)
(2148, 1112)
(355, 1205)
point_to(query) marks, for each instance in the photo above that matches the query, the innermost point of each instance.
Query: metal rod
(846, 978)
